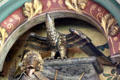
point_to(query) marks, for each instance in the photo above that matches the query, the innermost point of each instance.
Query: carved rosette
(76, 5)
(109, 25)
(32, 8)
(3, 36)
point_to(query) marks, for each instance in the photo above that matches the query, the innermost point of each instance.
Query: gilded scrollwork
(32, 8)
(60, 2)
(49, 3)
(76, 5)
(3, 36)
(109, 25)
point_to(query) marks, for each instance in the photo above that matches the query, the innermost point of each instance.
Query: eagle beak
(49, 22)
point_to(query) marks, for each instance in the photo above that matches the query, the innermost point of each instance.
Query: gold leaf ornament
(49, 4)
(37, 6)
(109, 25)
(32, 8)
(104, 22)
(82, 4)
(76, 5)
(28, 11)
(3, 36)
(72, 4)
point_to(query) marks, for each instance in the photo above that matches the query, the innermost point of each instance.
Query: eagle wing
(83, 43)
(75, 41)
(41, 44)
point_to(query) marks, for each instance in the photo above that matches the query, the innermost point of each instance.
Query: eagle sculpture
(58, 43)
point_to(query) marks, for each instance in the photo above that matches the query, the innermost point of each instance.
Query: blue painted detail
(103, 47)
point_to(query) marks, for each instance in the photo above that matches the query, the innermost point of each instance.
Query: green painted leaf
(113, 71)
(106, 75)
(110, 78)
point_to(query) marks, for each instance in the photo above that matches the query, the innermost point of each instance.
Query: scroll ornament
(3, 36)
(76, 5)
(32, 8)
(109, 25)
